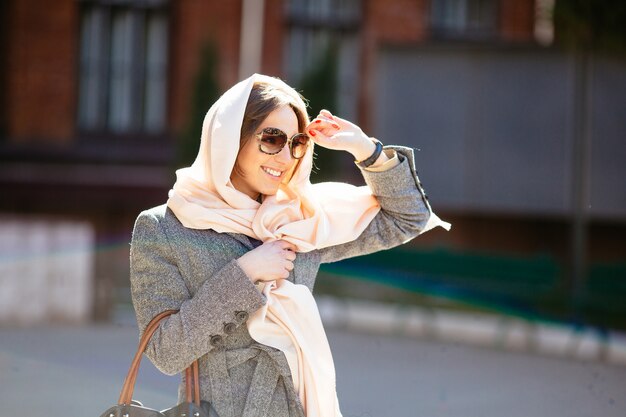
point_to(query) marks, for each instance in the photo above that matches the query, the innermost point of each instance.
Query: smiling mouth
(272, 172)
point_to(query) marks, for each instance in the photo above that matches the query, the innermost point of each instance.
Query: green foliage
(591, 24)
(319, 87)
(205, 92)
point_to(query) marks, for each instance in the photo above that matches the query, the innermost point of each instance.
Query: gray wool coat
(196, 272)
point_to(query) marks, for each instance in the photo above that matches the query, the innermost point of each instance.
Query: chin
(270, 192)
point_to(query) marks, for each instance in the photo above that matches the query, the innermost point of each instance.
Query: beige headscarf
(309, 216)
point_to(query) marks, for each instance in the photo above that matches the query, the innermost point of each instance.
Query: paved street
(78, 371)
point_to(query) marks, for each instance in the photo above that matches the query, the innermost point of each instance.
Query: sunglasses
(273, 140)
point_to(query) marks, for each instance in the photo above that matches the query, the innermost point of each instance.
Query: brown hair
(264, 99)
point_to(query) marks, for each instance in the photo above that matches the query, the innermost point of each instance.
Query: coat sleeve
(226, 296)
(404, 210)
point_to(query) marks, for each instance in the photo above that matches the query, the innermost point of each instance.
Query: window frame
(465, 32)
(100, 129)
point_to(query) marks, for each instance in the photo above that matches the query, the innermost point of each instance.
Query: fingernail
(312, 133)
(318, 121)
(335, 126)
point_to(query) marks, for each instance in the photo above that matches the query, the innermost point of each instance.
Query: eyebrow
(278, 128)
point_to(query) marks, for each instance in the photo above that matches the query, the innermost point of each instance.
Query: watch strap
(373, 157)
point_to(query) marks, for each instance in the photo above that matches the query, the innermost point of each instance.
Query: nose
(284, 156)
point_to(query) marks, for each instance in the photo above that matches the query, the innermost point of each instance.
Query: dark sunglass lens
(272, 141)
(298, 145)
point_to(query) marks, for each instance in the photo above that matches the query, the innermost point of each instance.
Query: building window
(123, 66)
(467, 19)
(315, 27)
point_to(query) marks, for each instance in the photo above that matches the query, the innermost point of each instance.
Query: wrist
(245, 267)
(364, 150)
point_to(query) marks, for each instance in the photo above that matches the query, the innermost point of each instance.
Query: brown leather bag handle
(129, 383)
(191, 373)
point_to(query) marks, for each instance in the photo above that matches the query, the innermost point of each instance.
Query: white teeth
(272, 172)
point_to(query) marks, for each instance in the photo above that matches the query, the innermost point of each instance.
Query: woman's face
(259, 173)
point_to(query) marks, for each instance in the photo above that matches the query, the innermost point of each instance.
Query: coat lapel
(245, 240)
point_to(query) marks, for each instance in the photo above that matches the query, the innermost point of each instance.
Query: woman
(237, 247)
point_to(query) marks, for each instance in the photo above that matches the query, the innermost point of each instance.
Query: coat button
(241, 316)
(229, 328)
(217, 340)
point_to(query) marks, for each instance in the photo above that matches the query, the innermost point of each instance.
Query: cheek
(249, 162)
(246, 157)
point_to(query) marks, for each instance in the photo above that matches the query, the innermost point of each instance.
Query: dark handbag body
(127, 407)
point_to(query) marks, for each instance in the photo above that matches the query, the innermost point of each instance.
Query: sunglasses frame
(288, 142)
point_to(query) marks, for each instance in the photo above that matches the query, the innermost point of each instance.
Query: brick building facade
(42, 47)
(67, 154)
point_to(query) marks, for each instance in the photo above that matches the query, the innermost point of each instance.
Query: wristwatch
(373, 157)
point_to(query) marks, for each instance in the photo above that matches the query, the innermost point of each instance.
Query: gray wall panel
(608, 148)
(496, 128)
(523, 136)
(422, 108)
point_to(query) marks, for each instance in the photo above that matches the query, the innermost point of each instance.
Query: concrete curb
(487, 330)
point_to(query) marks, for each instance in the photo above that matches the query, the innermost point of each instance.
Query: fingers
(342, 123)
(277, 260)
(326, 127)
(326, 119)
(329, 127)
(326, 113)
(321, 131)
(286, 245)
(324, 124)
(289, 250)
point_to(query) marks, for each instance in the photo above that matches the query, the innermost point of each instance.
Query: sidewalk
(74, 370)
(474, 329)
(486, 330)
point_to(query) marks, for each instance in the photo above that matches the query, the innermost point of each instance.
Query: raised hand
(333, 132)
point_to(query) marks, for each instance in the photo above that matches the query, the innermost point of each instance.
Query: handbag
(192, 407)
